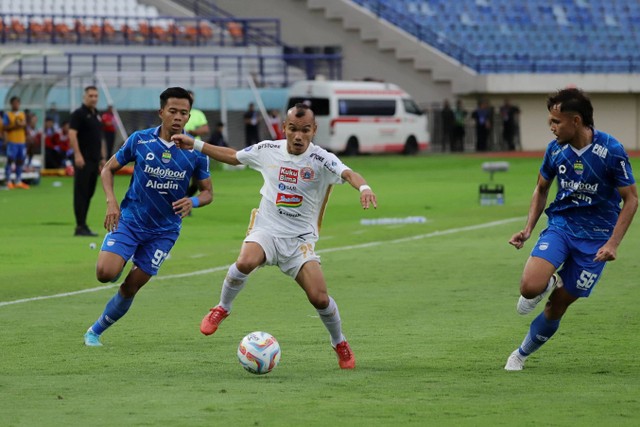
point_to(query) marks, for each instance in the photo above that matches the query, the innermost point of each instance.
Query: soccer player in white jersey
(298, 177)
(147, 224)
(586, 223)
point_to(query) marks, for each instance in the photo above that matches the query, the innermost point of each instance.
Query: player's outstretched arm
(367, 196)
(113, 208)
(222, 154)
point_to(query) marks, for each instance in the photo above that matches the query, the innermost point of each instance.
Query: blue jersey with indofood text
(587, 203)
(161, 176)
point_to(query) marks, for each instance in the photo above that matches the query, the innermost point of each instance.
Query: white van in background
(363, 117)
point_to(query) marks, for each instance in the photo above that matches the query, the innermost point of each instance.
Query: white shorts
(290, 254)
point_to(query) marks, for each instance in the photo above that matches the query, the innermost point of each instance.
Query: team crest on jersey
(578, 167)
(288, 200)
(166, 157)
(307, 174)
(288, 175)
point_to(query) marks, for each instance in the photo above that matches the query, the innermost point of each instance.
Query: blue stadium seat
(489, 29)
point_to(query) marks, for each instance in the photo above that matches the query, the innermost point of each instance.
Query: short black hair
(175, 92)
(88, 88)
(13, 98)
(573, 100)
(301, 109)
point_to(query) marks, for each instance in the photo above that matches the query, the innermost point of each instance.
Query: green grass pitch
(429, 310)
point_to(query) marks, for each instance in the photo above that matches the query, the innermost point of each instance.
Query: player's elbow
(232, 159)
(630, 202)
(106, 173)
(206, 197)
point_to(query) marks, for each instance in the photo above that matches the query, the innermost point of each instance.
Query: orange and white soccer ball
(259, 352)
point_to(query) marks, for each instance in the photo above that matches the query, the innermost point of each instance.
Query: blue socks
(18, 174)
(115, 309)
(540, 332)
(7, 172)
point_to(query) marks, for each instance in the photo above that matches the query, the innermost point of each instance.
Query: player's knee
(320, 300)
(531, 288)
(129, 290)
(558, 303)
(245, 266)
(105, 274)
(555, 311)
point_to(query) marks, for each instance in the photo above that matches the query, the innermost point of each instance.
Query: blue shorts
(579, 272)
(16, 151)
(146, 250)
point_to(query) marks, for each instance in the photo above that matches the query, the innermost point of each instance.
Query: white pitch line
(226, 267)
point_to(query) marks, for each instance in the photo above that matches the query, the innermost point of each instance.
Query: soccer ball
(259, 352)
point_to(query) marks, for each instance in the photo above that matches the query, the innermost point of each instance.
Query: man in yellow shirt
(15, 128)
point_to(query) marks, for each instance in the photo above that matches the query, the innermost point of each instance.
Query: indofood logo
(159, 172)
(584, 187)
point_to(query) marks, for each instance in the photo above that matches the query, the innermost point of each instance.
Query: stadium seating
(98, 21)
(493, 36)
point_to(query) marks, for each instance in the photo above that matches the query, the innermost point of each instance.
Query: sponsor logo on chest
(288, 200)
(600, 151)
(288, 175)
(160, 172)
(285, 187)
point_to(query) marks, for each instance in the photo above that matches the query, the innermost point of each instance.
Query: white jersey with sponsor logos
(296, 188)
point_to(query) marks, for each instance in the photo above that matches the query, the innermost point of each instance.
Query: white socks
(330, 316)
(232, 285)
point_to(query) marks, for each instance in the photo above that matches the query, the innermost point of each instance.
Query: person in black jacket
(85, 136)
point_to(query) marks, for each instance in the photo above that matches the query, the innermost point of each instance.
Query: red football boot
(213, 319)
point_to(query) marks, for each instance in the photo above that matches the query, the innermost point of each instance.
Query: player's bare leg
(109, 267)
(311, 279)
(117, 306)
(251, 256)
(538, 280)
(542, 328)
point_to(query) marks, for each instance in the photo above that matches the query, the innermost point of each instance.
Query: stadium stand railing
(126, 22)
(133, 25)
(252, 33)
(269, 70)
(537, 36)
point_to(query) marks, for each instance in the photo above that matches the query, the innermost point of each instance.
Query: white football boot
(515, 362)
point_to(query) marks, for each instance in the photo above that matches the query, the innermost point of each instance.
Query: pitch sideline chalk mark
(226, 267)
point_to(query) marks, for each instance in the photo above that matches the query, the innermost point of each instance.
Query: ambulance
(363, 117)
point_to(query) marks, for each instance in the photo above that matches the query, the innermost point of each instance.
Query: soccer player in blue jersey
(146, 225)
(586, 223)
